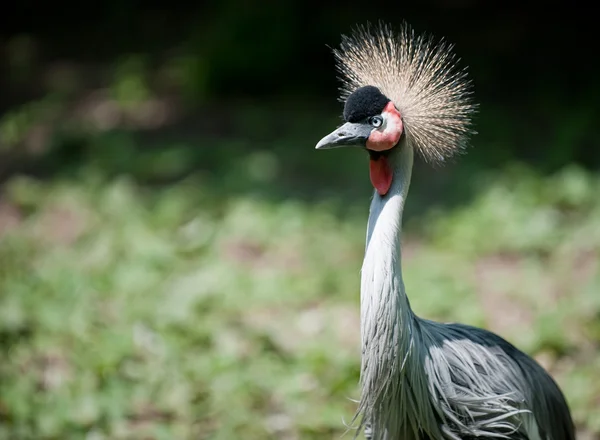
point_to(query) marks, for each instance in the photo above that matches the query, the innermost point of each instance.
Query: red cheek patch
(387, 139)
(381, 175)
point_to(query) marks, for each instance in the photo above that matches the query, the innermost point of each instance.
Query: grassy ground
(217, 307)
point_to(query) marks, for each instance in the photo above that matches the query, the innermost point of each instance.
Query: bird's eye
(376, 121)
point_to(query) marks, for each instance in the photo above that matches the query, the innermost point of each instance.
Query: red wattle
(381, 175)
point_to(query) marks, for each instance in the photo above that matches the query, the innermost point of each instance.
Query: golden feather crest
(420, 76)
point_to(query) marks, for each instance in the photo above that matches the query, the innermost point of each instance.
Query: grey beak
(348, 135)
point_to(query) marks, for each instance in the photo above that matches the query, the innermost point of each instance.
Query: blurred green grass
(223, 304)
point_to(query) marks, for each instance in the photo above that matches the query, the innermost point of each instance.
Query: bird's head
(372, 122)
(400, 90)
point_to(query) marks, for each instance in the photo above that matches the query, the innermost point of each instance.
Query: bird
(404, 94)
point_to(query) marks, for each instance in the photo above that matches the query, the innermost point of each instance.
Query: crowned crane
(422, 379)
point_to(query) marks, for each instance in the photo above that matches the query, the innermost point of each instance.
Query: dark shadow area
(159, 93)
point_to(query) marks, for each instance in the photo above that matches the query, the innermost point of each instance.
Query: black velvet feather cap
(363, 103)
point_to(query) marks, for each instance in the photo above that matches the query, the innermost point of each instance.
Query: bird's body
(422, 379)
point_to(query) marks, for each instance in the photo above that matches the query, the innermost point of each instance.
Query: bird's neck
(383, 297)
(387, 322)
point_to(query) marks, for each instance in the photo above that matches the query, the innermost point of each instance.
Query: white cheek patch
(392, 124)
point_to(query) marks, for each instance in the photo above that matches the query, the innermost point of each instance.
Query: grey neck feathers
(388, 325)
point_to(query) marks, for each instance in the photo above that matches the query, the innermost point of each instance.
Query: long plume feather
(420, 76)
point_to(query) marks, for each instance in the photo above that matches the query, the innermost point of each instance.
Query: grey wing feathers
(485, 386)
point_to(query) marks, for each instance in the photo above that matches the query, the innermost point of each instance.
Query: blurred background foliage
(176, 261)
